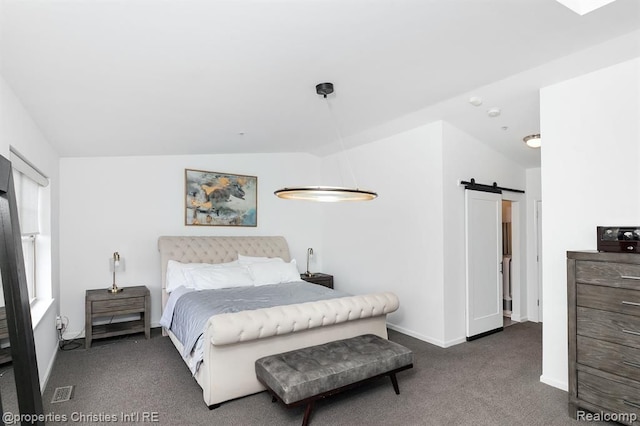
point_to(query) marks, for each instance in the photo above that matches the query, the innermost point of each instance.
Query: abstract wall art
(220, 199)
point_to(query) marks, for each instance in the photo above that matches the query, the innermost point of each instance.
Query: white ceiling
(151, 77)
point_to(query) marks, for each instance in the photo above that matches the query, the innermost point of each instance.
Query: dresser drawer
(609, 326)
(617, 359)
(615, 396)
(117, 306)
(612, 299)
(608, 273)
(4, 330)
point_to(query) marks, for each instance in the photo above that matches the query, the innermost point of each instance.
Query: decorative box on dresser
(603, 296)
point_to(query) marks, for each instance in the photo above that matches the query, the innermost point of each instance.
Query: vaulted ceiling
(149, 77)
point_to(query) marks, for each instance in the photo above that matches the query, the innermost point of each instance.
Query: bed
(232, 342)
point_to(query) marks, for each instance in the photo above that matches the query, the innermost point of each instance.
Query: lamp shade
(326, 194)
(116, 265)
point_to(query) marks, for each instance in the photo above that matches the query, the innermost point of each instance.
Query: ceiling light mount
(327, 193)
(324, 89)
(533, 141)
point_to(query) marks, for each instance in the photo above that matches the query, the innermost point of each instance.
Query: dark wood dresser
(604, 335)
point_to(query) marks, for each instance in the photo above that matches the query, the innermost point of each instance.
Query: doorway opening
(507, 253)
(486, 304)
(514, 289)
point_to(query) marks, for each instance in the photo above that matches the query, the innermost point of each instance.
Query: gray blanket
(193, 309)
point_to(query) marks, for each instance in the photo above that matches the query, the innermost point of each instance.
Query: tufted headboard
(216, 250)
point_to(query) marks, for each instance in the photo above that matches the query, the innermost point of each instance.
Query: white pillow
(247, 260)
(274, 272)
(176, 273)
(217, 277)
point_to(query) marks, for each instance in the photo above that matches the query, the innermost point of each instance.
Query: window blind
(27, 181)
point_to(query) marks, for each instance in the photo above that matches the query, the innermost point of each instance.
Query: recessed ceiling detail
(475, 101)
(494, 112)
(582, 7)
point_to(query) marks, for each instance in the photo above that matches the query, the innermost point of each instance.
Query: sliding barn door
(483, 215)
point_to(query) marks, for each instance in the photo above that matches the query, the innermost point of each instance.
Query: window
(28, 183)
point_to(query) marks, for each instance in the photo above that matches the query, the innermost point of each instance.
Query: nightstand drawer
(612, 299)
(117, 306)
(609, 326)
(616, 359)
(616, 396)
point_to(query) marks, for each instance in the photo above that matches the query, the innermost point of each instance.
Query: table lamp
(309, 254)
(116, 263)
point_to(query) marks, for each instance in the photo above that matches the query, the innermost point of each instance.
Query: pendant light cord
(344, 151)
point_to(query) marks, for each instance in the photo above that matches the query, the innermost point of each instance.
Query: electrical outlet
(58, 322)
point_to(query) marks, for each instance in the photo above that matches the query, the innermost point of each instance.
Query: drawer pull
(631, 404)
(635, 333)
(624, 302)
(631, 364)
(629, 277)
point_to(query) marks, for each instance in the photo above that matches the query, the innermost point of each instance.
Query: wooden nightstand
(319, 278)
(103, 303)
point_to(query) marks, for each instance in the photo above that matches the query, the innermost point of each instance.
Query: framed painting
(220, 199)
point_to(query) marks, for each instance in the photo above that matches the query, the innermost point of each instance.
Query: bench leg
(307, 413)
(394, 382)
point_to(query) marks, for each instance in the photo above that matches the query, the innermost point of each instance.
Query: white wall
(18, 129)
(466, 158)
(393, 243)
(591, 147)
(125, 203)
(411, 239)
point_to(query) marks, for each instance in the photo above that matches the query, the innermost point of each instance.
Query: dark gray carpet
(490, 381)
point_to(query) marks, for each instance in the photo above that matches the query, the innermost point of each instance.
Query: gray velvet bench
(305, 375)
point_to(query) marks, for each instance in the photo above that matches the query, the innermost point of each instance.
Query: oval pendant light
(327, 194)
(330, 194)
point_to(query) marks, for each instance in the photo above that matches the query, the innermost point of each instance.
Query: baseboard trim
(518, 318)
(555, 383)
(47, 374)
(437, 342)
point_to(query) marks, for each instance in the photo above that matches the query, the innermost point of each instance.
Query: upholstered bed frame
(233, 342)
